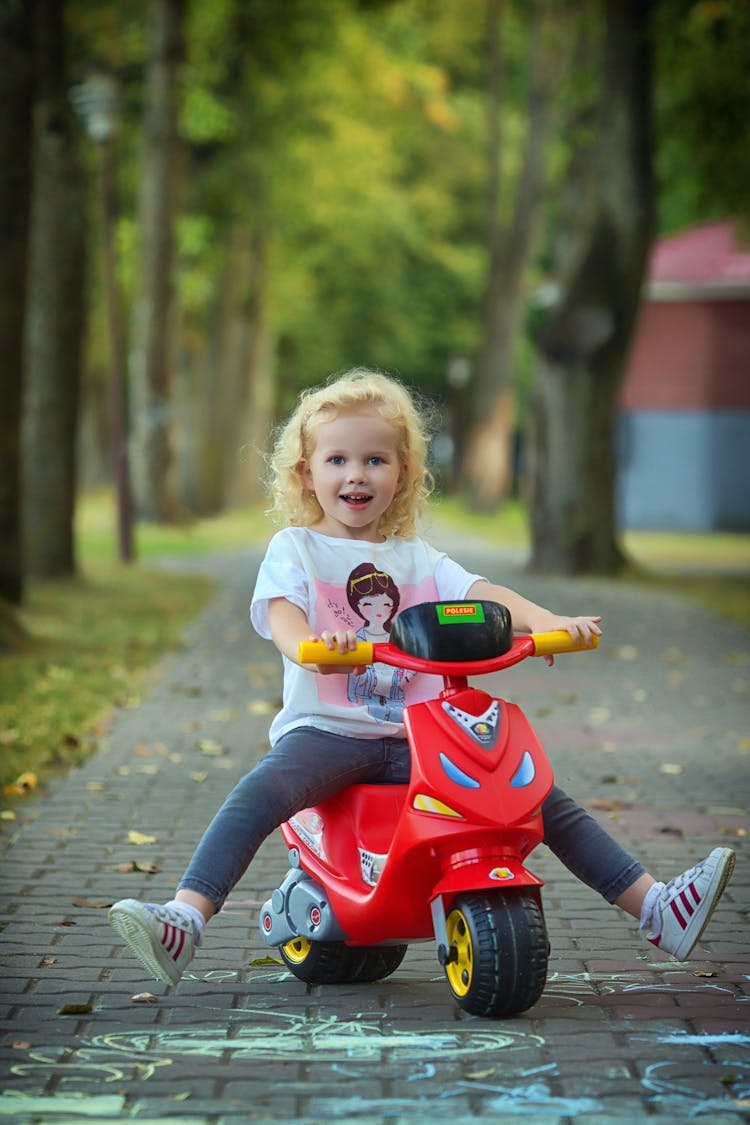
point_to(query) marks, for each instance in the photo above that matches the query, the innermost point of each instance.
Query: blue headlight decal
(457, 775)
(525, 773)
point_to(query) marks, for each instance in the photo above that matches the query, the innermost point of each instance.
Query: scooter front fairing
(468, 817)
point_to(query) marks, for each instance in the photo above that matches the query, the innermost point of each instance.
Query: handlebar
(553, 643)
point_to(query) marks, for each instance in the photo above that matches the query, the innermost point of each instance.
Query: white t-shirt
(350, 584)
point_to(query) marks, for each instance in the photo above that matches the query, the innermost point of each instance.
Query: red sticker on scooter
(501, 873)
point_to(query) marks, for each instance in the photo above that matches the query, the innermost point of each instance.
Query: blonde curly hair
(358, 389)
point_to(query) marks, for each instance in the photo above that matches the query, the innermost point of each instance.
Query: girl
(349, 477)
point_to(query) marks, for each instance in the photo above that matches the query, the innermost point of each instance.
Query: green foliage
(84, 647)
(703, 109)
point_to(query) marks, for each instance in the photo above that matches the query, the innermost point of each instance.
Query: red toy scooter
(379, 866)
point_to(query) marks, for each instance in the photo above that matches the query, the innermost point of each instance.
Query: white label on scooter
(483, 729)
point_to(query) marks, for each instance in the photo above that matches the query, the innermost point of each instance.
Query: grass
(80, 647)
(95, 523)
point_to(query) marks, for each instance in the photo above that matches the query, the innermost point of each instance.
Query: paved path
(652, 729)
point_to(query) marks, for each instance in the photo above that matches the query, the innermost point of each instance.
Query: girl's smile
(354, 471)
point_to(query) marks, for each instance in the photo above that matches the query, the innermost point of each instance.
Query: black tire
(500, 952)
(378, 961)
(320, 962)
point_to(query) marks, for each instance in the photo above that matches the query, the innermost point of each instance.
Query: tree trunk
(583, 347)
(245, 467)
(150, 346)
(16, 99)
(487, 473)
(55, 313)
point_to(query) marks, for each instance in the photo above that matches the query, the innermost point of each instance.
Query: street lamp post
(97, 101)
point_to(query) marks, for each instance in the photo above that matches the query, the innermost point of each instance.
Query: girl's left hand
(580, 629)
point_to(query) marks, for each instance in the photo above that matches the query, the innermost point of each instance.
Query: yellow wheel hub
(297, 950)
(459, 971)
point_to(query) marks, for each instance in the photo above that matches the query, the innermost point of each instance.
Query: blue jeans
(307, 766)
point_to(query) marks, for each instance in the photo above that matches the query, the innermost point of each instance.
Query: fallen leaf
(20, 1045)
(141, 750)
(140, 838)
(23, 784)
(92, 905)
(671, 768)
(599, 715)
(64, 922)
(227, 715)
(727, 831)
(211, 747)
(95, 786)
(8, 814)
(198, 775)
(144, 998)
(260, 961)
(670, 830)
(131, 865)
(183, 1097)
(614, 803)
(49, 960)
(260, 707)
(478, 1075)
(75, 1009)
(701, 973)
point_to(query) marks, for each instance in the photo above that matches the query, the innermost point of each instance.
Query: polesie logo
(448, 612)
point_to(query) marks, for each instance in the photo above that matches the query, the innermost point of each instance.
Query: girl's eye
(336, 459)
(375, 460)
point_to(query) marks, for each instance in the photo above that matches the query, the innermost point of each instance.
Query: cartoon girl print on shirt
(374, 597)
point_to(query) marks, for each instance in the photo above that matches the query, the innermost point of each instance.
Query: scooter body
(380, 866)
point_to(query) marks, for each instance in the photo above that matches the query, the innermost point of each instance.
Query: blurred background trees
(307, 185)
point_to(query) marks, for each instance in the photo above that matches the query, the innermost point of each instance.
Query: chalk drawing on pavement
(668, 1084)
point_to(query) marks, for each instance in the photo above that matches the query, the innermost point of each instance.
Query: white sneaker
(161, 937)
(687, 903)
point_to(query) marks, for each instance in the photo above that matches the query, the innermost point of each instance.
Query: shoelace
(172, 916)
(680, 881)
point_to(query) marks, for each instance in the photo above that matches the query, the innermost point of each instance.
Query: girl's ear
(306, 475)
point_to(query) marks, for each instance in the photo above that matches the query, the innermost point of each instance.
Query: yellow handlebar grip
(560, 640)
(315, 652)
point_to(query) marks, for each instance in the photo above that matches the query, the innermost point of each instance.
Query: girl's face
(376, 609)
(354, 470)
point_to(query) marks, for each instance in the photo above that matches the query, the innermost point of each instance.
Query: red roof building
(684, 424)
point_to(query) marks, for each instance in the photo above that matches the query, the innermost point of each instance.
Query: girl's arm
(527, 617)
(289, 626)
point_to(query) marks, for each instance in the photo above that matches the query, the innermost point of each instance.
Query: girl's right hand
(345, 640)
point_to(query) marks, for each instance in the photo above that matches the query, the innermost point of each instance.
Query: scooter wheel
(320, 962)
(378, 961)
(498, 952)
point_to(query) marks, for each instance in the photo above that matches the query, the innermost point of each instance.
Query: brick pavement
(652, 729)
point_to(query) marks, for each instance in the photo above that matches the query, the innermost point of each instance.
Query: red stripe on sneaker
(687, 903)
(676, 911)
(694, 893)
(180, 934)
